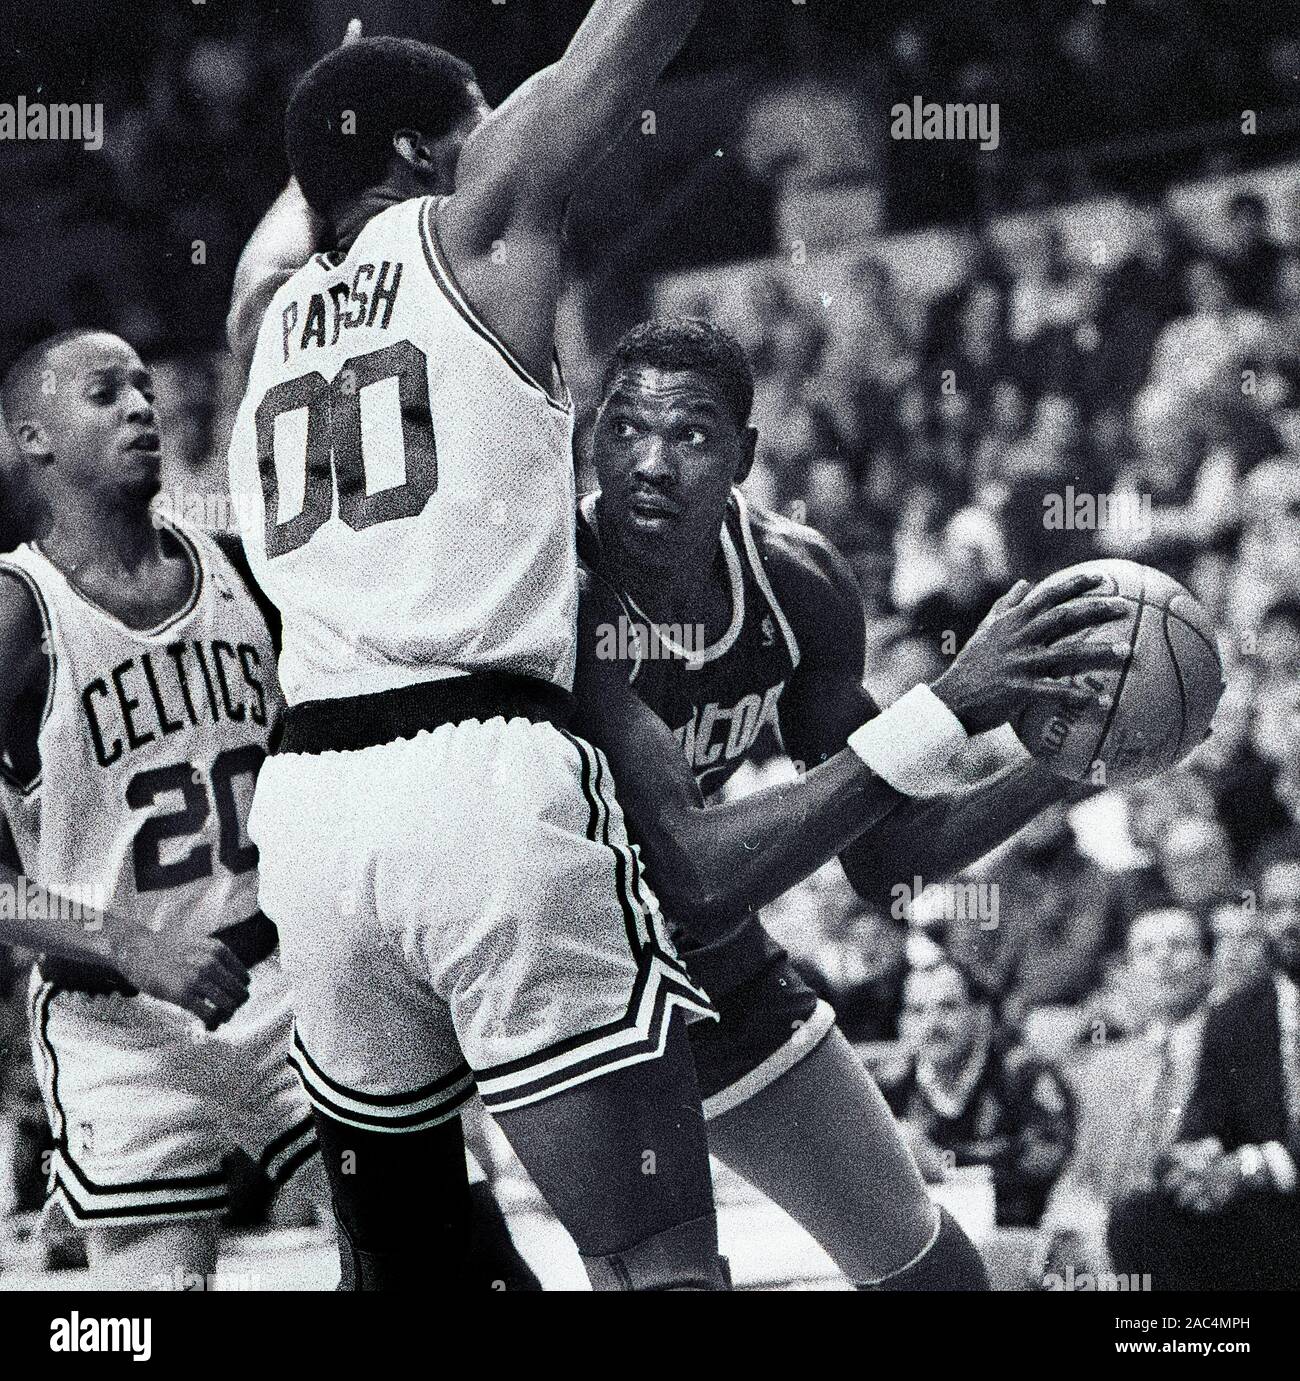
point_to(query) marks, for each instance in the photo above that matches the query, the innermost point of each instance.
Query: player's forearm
(565, 118)
(935, 838)
(51, 923)
(636, 39)
(741, 855)
(285, 238)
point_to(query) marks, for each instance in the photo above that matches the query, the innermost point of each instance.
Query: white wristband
(1006, 743)
(912, 743)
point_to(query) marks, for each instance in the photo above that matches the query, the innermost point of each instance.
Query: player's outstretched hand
(199, 973)
(1025, 650)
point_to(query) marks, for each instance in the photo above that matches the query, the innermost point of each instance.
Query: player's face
(667, 451)
(95, 416)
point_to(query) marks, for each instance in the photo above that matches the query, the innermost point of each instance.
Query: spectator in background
(858, 963)
(970, 1095)
(1243, 957)
(1035, 473)
(1267, 568)
(1138, 299)
(1240, 777)
(973, 561)
(980, 353)
(1252, 258)
(1190, 490)
(1050, 322)
(1194, 860)
(1131, 1093)
(1049, 939)
(1196, 351)
(1224, 1213)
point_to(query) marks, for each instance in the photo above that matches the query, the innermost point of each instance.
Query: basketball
(1164, 692)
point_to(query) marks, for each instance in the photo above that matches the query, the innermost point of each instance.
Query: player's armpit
(526, 159)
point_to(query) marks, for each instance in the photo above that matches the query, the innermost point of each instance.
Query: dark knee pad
(401, 1206)
(684, 1257)
(949, 1262)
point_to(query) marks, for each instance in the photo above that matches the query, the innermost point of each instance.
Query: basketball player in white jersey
(137, 699)
(405, 444)
(359, 603)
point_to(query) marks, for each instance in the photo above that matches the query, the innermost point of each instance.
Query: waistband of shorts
(355, 722)
(251, 941)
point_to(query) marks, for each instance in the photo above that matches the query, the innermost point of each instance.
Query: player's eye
(623, 429)
(695, 437)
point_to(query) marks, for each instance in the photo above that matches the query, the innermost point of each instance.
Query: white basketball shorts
(461, 909)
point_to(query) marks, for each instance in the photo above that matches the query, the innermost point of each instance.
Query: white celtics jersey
(405, 488)
(150, 745)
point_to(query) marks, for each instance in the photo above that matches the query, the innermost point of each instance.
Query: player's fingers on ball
(1045, 596)
(1012, 597)
(1068, 695)
(1073, 617)
(1067, 660)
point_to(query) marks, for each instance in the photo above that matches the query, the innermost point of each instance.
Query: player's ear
(750, 444)
(31, 440)
(415, 151)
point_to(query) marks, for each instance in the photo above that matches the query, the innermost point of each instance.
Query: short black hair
(24, 373)
(688, 344)
(386, 84)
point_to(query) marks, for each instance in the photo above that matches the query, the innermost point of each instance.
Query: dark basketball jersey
(720, 700)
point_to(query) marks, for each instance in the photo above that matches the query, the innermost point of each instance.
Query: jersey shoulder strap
(230, 546)
(751, 543)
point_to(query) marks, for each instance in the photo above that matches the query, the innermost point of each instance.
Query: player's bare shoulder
(812, 580)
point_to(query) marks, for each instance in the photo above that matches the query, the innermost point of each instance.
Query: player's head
(672, 436)
(79, 409)
(380, 110)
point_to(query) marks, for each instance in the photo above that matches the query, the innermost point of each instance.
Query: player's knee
(684, 1257)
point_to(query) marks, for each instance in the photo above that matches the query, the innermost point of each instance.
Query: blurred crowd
(1050, 1026)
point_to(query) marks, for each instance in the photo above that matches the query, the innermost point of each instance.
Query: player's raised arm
(283, 240)
(201, 975)
(528, 156)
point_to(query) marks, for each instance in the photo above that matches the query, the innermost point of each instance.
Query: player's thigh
(154, 1256)
(821, 1142)
(562, 970)
(341, 861)
(623, 1157)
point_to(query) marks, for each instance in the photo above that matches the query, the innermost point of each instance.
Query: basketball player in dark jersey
(746, 622)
